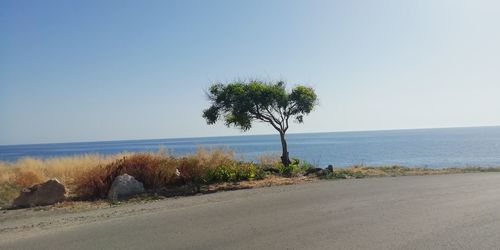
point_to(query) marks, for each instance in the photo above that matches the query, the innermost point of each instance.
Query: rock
(42, 194)
(323, 172)
(330, 168)
(316, 171)
(125, 186)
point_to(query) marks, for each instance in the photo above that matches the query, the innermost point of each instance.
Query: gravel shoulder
(457, 211)
(19, 223)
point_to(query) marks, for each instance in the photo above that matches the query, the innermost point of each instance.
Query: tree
(240, 103)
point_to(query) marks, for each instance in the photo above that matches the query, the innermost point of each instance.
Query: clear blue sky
(113, 70)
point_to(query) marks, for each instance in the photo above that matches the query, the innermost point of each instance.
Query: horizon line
(214, 136)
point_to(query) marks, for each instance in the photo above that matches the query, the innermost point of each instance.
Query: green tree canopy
(240, 103)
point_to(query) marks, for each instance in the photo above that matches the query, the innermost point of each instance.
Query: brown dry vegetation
(155, 171)
(90, 176)
(28, 171)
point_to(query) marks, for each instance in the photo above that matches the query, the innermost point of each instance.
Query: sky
(119, 70)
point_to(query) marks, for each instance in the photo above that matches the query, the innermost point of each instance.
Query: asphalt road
(460, 211)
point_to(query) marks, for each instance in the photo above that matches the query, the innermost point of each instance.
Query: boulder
(42, 194)
(125, 186)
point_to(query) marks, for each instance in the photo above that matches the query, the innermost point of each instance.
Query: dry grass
(155, 171)
(269, 160)
(360, 171)
(90, 176)
(28, 171)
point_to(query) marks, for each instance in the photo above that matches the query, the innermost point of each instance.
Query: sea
(431, 148)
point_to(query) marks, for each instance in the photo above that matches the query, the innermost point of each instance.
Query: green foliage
(233, 172)
(239, 103)
(222, 173)
(295, 168)
(260, 174)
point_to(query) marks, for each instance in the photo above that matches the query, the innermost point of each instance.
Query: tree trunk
(285, 157)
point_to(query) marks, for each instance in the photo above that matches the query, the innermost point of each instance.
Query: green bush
(234, 171)
(295, 168)
(221, 173)
(245, 171)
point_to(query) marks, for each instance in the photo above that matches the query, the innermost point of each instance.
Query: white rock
(125, 186)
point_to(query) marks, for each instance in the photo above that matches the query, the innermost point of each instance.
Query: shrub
(295, 168)
(92, 184)
(152, 170)
(234, 171)
(26, 178)
(192, 170)
(248, 171)
(222, 173)
(260, 173)
(91, 176)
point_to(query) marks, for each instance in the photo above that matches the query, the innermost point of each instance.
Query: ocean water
(434, 148)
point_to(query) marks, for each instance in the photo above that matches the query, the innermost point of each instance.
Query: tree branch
(286, 122)
(274, 118)
(262, 117)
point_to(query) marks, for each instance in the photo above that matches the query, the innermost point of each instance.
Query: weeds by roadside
(361, 171)
(343, 174)
(89, 177)
(297, 167)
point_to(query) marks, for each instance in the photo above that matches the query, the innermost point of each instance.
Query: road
(459, 211)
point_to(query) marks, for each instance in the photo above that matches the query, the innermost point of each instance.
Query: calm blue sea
(450, 147)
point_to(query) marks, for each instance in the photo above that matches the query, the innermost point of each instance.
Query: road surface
(458, 211)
